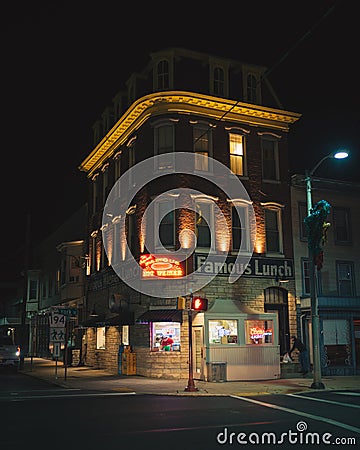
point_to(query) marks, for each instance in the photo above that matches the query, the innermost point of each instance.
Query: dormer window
(219, 88)
(251, 85)
(163, 79)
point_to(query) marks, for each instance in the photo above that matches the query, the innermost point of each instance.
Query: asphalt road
(37, 415)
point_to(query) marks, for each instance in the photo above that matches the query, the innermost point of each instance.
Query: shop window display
(223, 331)
(160, 331)
(259, 332)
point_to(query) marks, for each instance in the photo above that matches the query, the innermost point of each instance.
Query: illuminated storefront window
(161, 330)
(100, 338)
(223, 331)
(259, 331)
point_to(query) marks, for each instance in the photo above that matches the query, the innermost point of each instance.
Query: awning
(160, 315)
(124, 318)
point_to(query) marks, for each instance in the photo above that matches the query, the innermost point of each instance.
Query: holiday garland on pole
(317, 227)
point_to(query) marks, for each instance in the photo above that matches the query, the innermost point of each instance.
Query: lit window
(236, 144)
(159, 330)
(223, 332)
(259, 332)
(100, 338)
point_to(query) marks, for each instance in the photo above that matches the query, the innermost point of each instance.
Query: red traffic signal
(199, 304)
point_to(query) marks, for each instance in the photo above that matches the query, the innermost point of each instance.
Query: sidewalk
(88, 378)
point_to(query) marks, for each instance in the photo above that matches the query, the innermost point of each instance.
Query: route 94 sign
(56, 320)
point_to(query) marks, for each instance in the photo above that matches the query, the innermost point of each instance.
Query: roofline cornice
(180, 102)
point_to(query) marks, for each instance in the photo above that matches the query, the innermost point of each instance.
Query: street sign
(56, 320)
(57, 334)
(56, 350)
(69, 312)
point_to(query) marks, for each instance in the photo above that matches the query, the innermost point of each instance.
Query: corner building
(213, 109)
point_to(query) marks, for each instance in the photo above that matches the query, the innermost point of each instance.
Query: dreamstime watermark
(300, 436)
(209, 185)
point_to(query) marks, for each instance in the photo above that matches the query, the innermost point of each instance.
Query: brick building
(338, 281)
(215, 112)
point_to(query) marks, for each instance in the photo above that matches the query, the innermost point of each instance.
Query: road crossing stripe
(299, 413)
(324, 401)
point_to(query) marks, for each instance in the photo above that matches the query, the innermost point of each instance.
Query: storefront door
(198, 352)
(276, 300)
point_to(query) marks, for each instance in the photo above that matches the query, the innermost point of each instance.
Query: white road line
(355, 394)
(300, 413)
(349, 405)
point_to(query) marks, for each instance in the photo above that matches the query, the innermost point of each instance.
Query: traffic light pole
(191, 385)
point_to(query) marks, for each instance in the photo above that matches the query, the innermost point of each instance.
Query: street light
(315, 328)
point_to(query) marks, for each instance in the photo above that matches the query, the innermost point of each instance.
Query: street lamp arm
(311, 172)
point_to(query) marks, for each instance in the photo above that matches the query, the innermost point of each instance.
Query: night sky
(63, 62)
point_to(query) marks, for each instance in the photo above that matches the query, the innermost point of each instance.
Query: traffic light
(199, 304)
(181, 303)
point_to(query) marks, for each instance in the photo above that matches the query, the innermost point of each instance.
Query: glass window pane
(161, 329)
(259, 332)
(223, 332)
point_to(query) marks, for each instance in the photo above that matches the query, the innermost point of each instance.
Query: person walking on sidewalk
(303, 355)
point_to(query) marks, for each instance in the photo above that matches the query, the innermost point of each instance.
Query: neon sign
(160, 266)
(259, 333)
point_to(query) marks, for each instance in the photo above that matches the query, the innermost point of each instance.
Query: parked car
(9, 352)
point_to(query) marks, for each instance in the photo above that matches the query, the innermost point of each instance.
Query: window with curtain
(237, 154)
(336, 334)
(100, 338)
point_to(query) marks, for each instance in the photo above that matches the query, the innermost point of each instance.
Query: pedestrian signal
(199, 304)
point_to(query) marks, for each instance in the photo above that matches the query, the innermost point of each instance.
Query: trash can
(217, 371)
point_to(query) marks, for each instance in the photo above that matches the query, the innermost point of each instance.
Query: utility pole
(25, 291)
